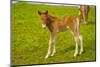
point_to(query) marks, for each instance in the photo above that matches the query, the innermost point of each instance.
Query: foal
(55, 25)
(83, 12)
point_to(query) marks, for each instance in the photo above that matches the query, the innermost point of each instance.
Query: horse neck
(50, 19)
(50, 22)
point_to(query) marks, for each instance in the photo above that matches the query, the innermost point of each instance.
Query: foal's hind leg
(54, 50)
(76, 47)
(53, 46)
(81, 44)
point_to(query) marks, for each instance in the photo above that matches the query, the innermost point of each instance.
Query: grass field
(30, 41)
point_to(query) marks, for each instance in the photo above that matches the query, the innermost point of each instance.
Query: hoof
(46, 56)
(53, 53)
(81, 52)
(75, 54)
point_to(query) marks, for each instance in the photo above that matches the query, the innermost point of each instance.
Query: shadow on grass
(91, 22)
(69, 49)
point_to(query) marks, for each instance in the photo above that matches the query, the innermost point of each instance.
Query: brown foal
(55, 25)
(83, 12)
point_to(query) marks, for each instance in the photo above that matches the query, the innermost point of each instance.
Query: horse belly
(63, 29)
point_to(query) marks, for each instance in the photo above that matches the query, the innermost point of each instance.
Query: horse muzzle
(43, 25)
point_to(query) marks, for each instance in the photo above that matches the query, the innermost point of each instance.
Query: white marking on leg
(53, 43)
(54, 50)
(49, 48)
(76, 36)
(76, 47)
(81, 44)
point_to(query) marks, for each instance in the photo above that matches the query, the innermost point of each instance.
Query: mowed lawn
(30, 41)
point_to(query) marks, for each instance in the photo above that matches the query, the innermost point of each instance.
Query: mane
(53, 17)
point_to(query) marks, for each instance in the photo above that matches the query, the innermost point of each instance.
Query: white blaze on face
(43, 25)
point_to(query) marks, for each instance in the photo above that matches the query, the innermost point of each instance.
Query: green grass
(30, 41)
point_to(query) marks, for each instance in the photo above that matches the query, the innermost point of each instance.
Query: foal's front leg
(52, 39)
(49, 48)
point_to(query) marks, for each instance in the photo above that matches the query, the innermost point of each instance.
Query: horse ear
(39, 12)
(46, 12)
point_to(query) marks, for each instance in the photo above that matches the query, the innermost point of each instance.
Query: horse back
(71, 22)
